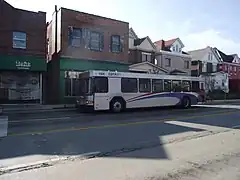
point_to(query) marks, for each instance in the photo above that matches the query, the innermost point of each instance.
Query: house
(22, 54)
(231, 65)
(170, 55)
(140, 49)
(204, 61)
(79, 42)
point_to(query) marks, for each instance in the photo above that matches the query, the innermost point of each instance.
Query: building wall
(109, 27)
(135, 56)
(177, 62)
(32, 23)
(176, 45)
(232, 69)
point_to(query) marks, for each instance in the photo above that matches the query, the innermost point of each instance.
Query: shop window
(19, 40)
(72, 83)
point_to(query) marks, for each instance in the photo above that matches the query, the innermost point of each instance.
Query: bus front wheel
(186, 102)
(116, 105)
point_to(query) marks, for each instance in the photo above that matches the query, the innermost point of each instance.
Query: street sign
(3, 126)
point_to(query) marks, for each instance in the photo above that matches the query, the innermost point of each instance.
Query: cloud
(211, 38)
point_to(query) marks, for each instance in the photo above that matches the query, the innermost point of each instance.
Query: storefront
(21, 79)
(70, 69)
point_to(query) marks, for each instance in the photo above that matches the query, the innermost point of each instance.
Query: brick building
(22, 54)
(78, 42)
(231, 65)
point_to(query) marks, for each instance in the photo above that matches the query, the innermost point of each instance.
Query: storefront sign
(23, 65)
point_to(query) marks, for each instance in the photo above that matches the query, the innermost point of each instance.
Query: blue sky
(197, 23)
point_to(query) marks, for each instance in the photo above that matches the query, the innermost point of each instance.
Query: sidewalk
(227, 101)
(35, 108)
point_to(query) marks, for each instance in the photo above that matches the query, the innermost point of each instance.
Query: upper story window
(19, 40)
(146, 57)
(177, 48)
(167, 62)
(75, 35)
(96, 41)
(235, 68)
(209, 56)
(173, 48)
(115, 44)
(186, 64)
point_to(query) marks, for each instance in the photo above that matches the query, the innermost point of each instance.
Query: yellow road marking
(120, 124)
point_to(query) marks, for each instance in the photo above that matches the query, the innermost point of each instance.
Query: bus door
(100, 92)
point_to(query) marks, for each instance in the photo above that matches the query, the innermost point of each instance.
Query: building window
(146, 57)
(235, 68)
(116, 44)
(173, 48)
(231, 68)
(204, 67)
(75, 35)
(144, 85)
(96, 41)
(19, 40)
(209, 56)
(177, 48)
(167, 62)
(186, 64)
(214, 67)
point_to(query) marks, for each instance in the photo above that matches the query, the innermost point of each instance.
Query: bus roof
(117, 74)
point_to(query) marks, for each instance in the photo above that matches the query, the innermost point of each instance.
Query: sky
(197, 23)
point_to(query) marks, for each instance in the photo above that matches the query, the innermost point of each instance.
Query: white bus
(116, 91)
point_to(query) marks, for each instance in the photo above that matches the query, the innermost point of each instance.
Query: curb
(45, 163)
(37, 111)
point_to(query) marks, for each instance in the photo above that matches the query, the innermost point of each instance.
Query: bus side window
(100, 85)
(129, 85)
(195, 86)
(144, 85)
(176, 86)
(186, 86)
(167, 85)
(157, 85)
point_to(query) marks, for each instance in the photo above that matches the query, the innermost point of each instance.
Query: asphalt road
(50, 136)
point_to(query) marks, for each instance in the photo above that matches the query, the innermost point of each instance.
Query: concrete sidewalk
(35, 108)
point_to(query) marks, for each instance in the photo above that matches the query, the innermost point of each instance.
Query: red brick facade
(31, 23)
(232, 69)
(67, 19)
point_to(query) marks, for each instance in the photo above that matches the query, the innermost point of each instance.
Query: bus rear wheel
(116, 105)
(186, 102)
